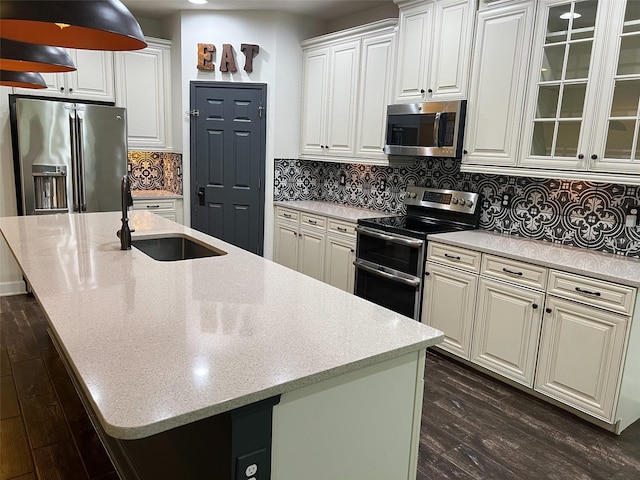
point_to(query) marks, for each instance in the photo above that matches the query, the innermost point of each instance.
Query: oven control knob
(469, 203)
(454, 200)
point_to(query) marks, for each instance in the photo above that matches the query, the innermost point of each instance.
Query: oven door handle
(407, 281)
(391, 238)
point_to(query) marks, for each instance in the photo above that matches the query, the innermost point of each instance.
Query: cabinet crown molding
(389, 23)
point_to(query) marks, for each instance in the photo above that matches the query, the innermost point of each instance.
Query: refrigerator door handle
(80, 155)
(74, 162)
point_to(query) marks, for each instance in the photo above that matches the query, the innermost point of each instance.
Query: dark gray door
(228, 131)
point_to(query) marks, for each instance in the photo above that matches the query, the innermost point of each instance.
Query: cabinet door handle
(70, 90)
(548, 310)
(153, 206)
(340, 229)
(511, 272)
(452, 257)
(587, 292)
(422, 90)
(594, 157)
(534, 306)
(426, 274)
(580, 157)
(312, 222)
(352, 250)
(430, 90)
(62, 89)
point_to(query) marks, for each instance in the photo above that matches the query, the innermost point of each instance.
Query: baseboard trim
(12, 288)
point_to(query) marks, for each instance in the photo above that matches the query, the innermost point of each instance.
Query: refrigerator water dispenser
(50, 188)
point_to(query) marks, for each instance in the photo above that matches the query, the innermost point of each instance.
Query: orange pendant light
(22, 79)
(88, 25)
(29, 57)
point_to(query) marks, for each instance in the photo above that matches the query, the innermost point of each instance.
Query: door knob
(201, 196)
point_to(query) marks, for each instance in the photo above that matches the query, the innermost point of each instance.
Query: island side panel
(364, 424)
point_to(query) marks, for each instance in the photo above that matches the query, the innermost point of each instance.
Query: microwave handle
(436, 130)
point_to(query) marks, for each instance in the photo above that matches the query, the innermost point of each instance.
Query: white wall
(279, 65)
(387, 10)
(10, 275)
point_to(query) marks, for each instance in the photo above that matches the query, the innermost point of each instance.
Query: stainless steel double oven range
(391, 251)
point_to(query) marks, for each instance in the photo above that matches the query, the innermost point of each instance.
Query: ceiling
(323, 9)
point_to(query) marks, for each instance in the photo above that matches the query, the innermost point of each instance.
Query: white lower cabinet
(286, 244)
(311, 253)
(339, 269)
(170, 208)
(567, 337)
(319, 246)
(449, 301)
(580, 357)
(507, 327)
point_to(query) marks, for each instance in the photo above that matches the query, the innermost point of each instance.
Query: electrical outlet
(506, 200)
(251, 465)
(343, 179)
(383, 185)
(631, 220)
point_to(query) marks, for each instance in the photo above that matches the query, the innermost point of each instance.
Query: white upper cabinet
(434, 50)
(376, 81)
(143, 87)
(347, 81)
(314, 100)
(344, 63)
(583, 98)
(92, 79)
(498, 81)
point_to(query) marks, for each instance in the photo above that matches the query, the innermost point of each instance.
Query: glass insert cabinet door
(584, 91)
(562, 77)
(616, 138)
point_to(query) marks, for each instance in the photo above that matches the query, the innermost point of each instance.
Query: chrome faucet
(124, 234)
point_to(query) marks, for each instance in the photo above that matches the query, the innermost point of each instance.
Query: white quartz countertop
(154, 194)
(613, 268)
(333, 210)
(157, 344)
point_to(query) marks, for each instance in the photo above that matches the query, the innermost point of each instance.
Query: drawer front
(287, 214)
(342, 228)
(610, 296)
(456, 257)
(154, 204)
(314, 221)
(513, 271)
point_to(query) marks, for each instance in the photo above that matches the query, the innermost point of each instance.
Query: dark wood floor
(473, 427)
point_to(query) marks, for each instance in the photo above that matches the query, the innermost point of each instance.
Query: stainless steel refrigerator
(71, 156)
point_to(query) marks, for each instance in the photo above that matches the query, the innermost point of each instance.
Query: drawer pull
(548, 310)
(286, 215)
(153, 206)
(587, 292)
(312, 222)
(452, 257)
(534, 306)
(511, 272)
(340, 229)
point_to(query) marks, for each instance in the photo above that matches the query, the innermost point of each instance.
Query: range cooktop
(429, 211)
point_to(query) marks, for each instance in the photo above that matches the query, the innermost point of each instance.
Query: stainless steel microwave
(428, 129)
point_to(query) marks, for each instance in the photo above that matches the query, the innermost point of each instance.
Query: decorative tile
(146, 171)
(155, 171)
(567, 212)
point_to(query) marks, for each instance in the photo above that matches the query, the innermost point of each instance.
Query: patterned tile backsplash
(156, 171)
(583, 214)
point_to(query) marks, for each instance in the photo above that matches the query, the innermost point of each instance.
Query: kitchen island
(191, 361)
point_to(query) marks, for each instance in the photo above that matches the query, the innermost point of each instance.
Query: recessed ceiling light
(564, 16)
(198, 2)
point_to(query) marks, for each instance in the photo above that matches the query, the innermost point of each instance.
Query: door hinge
(194, 113)
(260, 110)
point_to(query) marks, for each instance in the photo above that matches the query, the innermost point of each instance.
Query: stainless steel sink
(175, 247)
